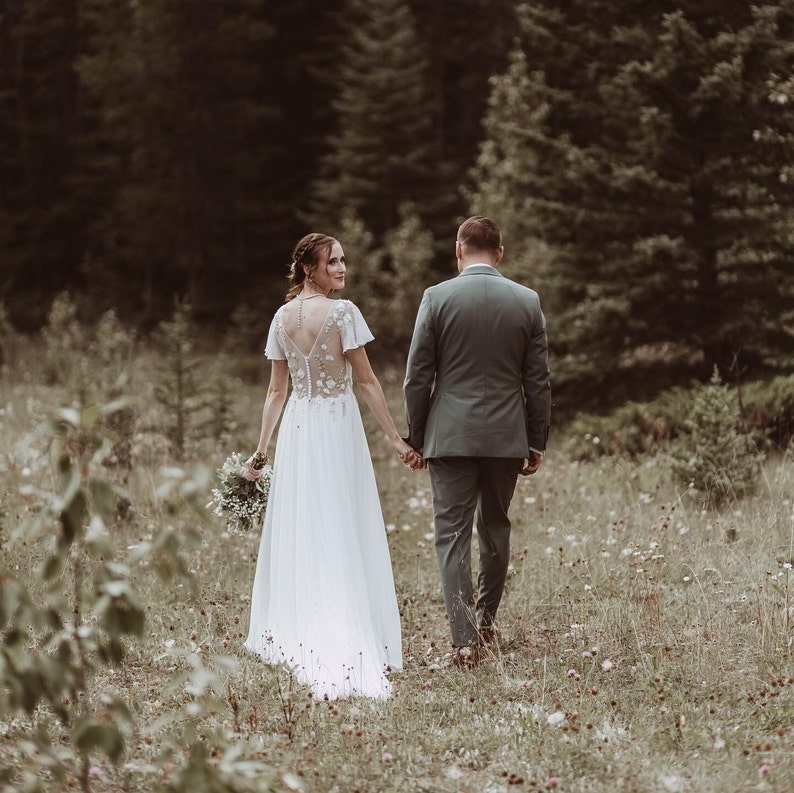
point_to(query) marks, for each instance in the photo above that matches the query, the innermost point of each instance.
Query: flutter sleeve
(274, 348)
(354, 329)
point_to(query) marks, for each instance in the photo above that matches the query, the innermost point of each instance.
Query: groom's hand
(417, 461)
(420, 461)
(531, 463)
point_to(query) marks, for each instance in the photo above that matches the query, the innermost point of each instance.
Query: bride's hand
(249, 472)
(408, 455)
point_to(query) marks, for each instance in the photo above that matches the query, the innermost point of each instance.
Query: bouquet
(239, 500)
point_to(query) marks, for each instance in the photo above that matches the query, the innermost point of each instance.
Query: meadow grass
(646, 642)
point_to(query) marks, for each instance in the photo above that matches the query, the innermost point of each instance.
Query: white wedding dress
(323, 599)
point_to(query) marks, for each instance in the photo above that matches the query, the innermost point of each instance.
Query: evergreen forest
(638, 157)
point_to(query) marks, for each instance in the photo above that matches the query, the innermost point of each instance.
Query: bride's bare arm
(371, 390)
(274, 402)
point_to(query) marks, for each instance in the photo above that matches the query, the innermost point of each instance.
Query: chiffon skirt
(323, 600)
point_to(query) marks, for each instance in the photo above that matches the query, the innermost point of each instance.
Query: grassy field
(646, 642)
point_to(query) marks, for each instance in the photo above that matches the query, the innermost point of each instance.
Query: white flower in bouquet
(238, 500)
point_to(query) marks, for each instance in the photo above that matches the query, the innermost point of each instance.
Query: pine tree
(465, 42)
(40, 221)
(647, 146)
(179, 388)
(380, 153)
(364, 283)
(714, 455)
(409, 253)
(187, 119)
(386, 281)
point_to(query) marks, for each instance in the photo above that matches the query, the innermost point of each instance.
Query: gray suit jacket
(477, 379)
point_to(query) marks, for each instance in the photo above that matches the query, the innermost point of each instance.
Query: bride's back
(303, 320)
(313, 346)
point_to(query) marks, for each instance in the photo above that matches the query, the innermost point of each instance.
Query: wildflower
(387, 758)
(765, 767)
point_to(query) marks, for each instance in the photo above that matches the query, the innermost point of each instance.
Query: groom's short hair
(480, 234)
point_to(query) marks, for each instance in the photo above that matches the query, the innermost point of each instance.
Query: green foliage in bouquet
(714, 453)
(238, 500)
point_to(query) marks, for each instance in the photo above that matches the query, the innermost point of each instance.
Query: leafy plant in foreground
(64, 628)
(56, 639)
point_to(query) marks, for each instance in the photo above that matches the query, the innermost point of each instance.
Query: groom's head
(479, 240)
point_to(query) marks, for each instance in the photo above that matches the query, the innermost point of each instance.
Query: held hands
(409, 456)
(531, 464)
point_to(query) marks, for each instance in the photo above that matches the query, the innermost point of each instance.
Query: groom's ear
(500, 253)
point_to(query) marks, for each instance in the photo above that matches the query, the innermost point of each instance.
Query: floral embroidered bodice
(325, 371)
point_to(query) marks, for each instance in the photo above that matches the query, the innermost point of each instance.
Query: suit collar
(480, 269)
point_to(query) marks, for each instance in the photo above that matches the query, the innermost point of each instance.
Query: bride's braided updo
(307, 253)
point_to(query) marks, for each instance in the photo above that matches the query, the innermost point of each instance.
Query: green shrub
(178, 388)
(112, 348)
(769, 409)
(8, 342)
(243, 345)
(66, 360)
(766, 411)
(714, 454)
(636, 429)
(92, 363)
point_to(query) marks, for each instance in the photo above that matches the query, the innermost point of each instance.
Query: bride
(323, 599)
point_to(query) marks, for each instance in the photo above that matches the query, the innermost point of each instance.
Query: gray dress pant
(461, 487)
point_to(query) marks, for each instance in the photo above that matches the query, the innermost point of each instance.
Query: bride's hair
(307, 253)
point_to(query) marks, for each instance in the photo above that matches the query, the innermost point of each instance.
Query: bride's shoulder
(279, 312)
(339, 305)
(345, 305)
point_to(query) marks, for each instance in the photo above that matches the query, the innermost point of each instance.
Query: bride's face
(330, 273)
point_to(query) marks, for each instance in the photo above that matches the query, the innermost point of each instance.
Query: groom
(477, 401)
